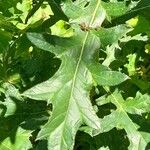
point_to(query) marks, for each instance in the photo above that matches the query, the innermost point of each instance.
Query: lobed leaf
(109, 78)
(119, 118)
(111, 35)
(138, 105)
(68, 90)
(52, 43)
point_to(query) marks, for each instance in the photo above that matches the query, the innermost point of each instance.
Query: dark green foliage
(74, 75)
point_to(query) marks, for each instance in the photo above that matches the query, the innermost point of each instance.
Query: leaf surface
(22, 141)
(68, 90)
(109, 78)
(119, 118)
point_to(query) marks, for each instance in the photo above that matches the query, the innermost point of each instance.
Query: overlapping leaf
(18, 120)
(111, 35)
(80, 11)
(119, 118)
(68, 90)
(21, 141)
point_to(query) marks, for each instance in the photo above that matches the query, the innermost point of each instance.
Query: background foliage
(74, 74)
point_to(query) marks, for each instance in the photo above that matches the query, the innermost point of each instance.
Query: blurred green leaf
(22, 138)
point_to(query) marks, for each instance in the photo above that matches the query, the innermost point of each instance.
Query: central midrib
(82, 49)
(125, 113)
(79, 60)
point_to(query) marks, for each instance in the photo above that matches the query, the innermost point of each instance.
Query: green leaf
(108, 78)
(68, 90)
(10, 93)
(119, 118)
(86, 48)
(115, 9)
(110, 38)
(142, 8)
(137, 37)
(62, 29)
(22, 141)
(19, 119)
(111, 35)
(81, 12)
(33, 10)
(131, 65)
(6, 24)
(53, 43)
(138, 105)
(110, 52)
